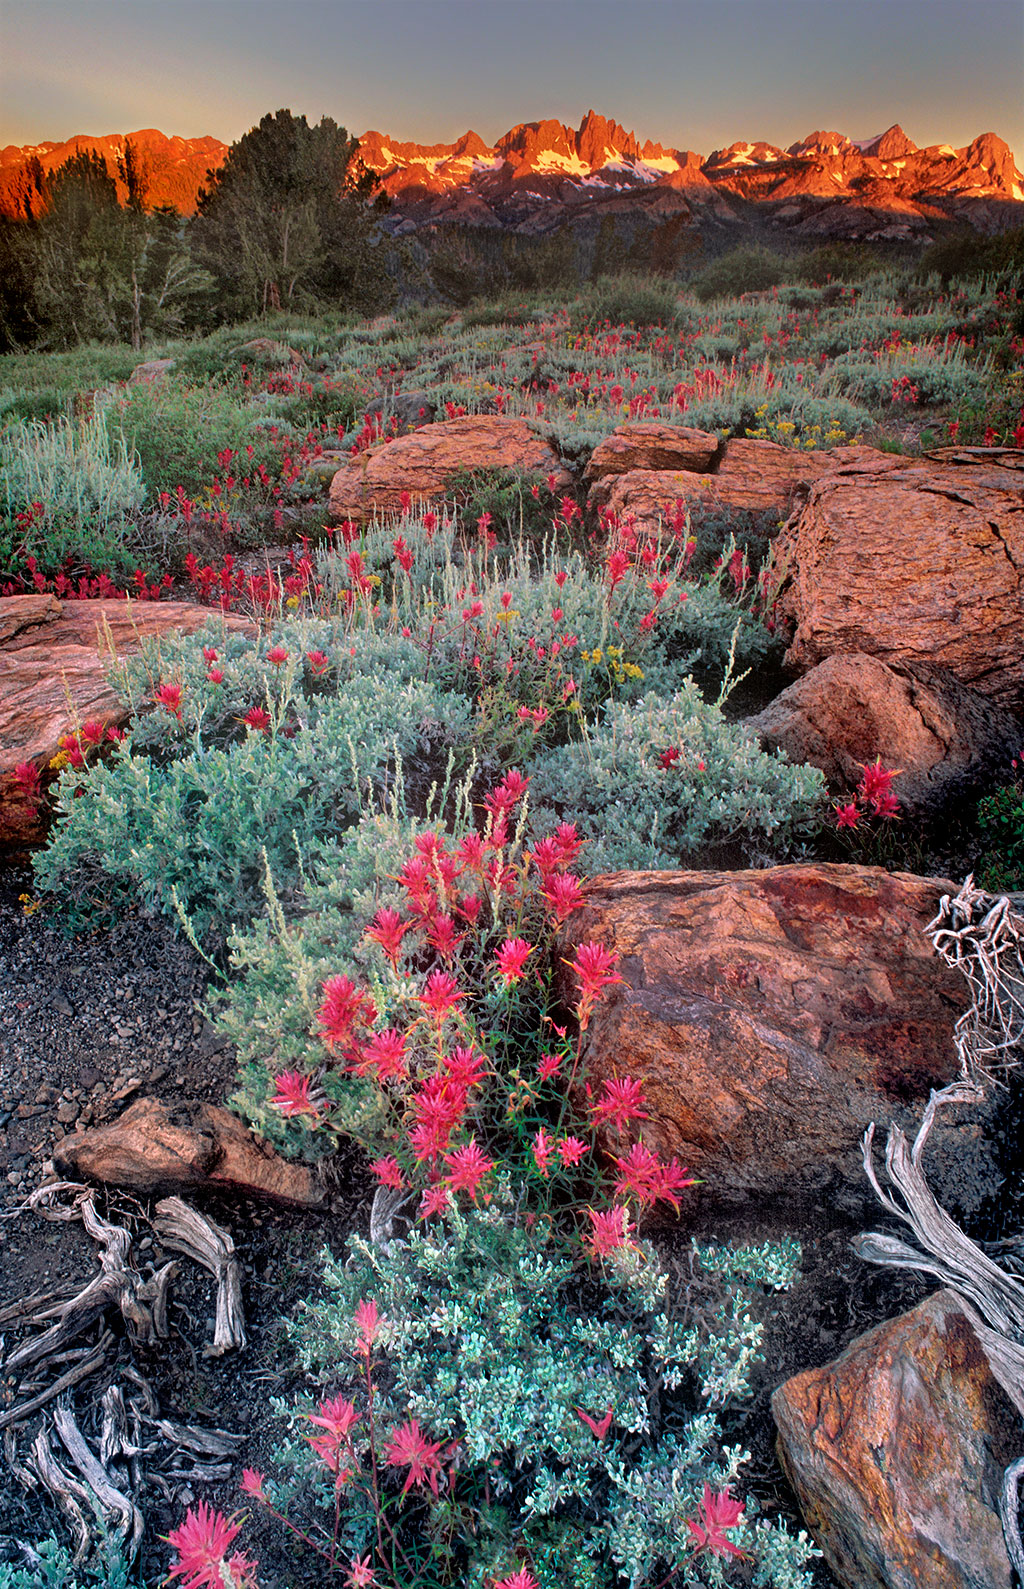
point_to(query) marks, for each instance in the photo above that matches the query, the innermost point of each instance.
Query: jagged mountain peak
(540, 174)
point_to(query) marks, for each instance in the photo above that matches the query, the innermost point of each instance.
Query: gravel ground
(88, 1024)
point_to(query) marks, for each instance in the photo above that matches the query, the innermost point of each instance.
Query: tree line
(289, 221)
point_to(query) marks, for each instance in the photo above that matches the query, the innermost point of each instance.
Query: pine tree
(285, 222)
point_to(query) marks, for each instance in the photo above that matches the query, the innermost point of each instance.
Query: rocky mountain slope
(174, 168)
(540, 175)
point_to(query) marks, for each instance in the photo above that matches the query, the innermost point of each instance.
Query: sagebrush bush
(89, 487)
(177, 430)
(577, 1443)
(186, 818)
(740, 270)
(1001, 820)
(624, 300)
(653, 782)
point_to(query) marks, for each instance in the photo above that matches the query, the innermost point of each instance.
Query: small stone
(67, 1112)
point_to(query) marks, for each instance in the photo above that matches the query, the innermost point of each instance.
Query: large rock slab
(896, 1452)
(923, 564)
(750, 475)
(649, 444)
(423, 462)
(772, 1015)
(190, 1147)
(53, 679)
(853, 708)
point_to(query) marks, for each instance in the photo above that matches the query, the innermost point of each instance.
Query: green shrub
(90, 488)
(50, 1566)
(739, 271)
(195, 803)
(494, 1344)
(642, 806)
(838, 262)
(1001, 820)
(176, 431)
(624, 300)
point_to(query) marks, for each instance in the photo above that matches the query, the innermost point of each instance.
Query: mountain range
(541, 175)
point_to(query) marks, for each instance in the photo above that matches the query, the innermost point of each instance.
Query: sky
(691, 74)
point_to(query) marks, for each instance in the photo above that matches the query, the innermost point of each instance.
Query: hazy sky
(689, 73)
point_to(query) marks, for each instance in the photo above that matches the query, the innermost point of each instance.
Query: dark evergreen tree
(286, 222)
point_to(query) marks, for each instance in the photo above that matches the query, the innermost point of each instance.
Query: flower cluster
(874, 797)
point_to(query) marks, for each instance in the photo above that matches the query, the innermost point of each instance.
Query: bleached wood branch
(192, 1233)
(982, 936)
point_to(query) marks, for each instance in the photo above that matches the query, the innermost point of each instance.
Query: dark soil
(88, 1023)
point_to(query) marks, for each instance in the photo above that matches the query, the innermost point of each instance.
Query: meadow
(374, 814)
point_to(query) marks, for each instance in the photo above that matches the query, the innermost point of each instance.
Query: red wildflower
(847, 816)
(563, 894)
(257, 718)
(209, 655)
(467, 1167)
(570, 1150)
(388, 1171)
(616, 567)
(318, 661)
(215, 676)
(876, 782)
(668, 756)
(202, 1543)
(886, 806)
(465, 1067)
(650, 1180)
(384, 1054)
(548, 1066)
(277, 655)
(609, 1229)
(543, 1148)
(403, 553)
(442, 936)
(716, 1512)
(441, 995)
(360, 1574)
(343, 1007)
(409, 1448)
(598, 1426)
(619, 1102)
(169, 697)
(521, 1579)
(337, 1416)
(252, 1483)
(569, 840)
(435, 1200)
(293, 1094)
(368, 1322)
(388, 929)
(512, 957)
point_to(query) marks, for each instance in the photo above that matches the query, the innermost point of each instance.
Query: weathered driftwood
(982, 936)
(948, 1254)
(123, 1515)
(118, 1284)
(1009, 1500)
(66, 1491)
(81, 1370)
(183, 1229)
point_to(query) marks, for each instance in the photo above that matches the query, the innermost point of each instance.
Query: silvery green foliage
(192, 833)
(279, 962)
(638, 813)
(49, 1565)
(488, 1342)
(89, 484)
